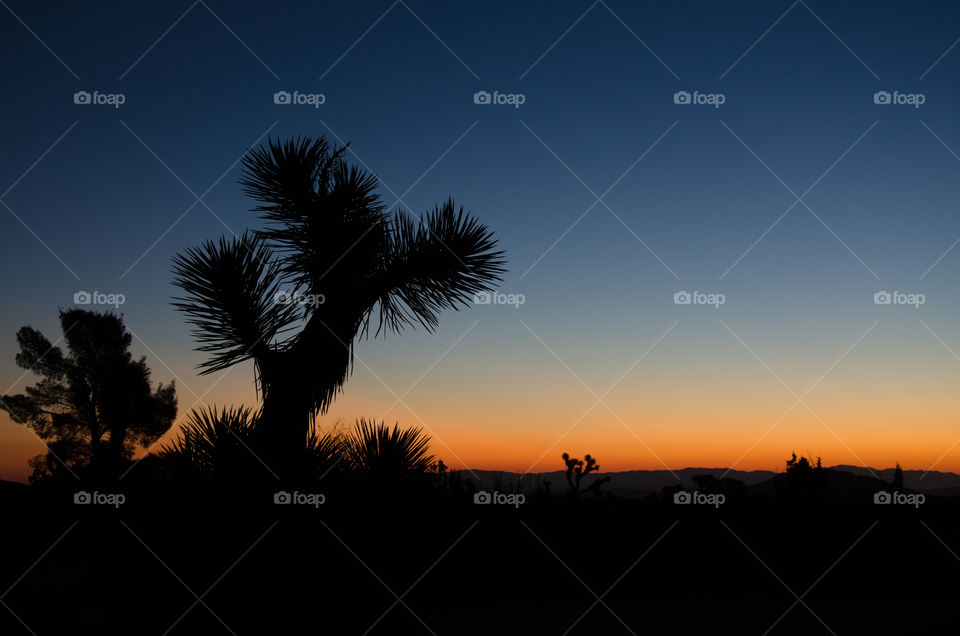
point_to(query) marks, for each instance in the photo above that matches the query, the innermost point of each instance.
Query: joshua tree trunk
(285, 418)
(315, 366)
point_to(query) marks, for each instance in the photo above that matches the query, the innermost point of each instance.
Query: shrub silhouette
(294, 296)
(381, 455)
(211, 442)
(324, 453)
(224, 445)
(802, 479)
(94, 404)
(220, 449)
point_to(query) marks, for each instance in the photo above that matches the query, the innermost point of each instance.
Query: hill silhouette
(919, 480)
(844, 481)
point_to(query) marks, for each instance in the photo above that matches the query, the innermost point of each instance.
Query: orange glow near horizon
(653, 447)
(487, 442)
(715, 418)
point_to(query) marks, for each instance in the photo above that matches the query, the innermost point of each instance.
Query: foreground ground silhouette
(459, 567)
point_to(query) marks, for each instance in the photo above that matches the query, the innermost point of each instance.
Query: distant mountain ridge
(639, 483)
(919, 480)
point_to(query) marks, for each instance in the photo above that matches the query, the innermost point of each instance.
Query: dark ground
(464, 569)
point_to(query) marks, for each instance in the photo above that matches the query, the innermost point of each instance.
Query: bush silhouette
(224, 445)
(383, 456)
(212, 442)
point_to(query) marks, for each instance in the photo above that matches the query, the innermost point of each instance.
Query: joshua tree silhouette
(577, 469)
(294, 296)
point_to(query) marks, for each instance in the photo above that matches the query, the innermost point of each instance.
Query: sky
(787, 168)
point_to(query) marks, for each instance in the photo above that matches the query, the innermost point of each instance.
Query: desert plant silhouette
(383, 456)
(211, 442)
(217, 444)
(804, 478)
(577, 469)
(294, 296)
(94, 405)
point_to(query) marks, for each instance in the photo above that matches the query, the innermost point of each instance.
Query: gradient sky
(694, 198)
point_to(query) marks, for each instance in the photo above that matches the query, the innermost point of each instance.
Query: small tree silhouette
(898, 477)
(94, 404)
(577, 469)
(804, 478)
